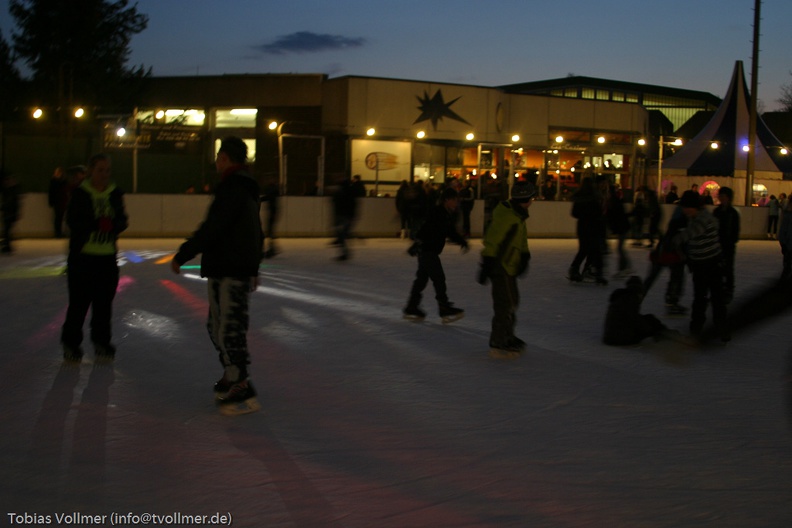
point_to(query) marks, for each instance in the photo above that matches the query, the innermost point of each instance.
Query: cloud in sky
(308, 42)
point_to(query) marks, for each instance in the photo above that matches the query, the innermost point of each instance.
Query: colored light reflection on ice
(124, 282)
(198, 305)
(164, 260)
(32, 272)
(133, 257)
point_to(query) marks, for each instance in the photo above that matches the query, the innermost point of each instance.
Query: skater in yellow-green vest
(505, 257)
(95, 217)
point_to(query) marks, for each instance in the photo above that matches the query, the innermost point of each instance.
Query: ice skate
(591, 278)
(240, 399)
(413, 313)
(104, 352)
(504, 352)
(221, 388)
(517, 343)
(574, 275)
(449, 314)
(72, 354)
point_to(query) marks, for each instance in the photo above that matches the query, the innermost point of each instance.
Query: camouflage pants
(228, 324)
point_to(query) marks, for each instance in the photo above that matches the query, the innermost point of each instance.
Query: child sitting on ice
(624, 323)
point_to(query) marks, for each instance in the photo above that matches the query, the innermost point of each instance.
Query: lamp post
(677, 142)
(558, 141)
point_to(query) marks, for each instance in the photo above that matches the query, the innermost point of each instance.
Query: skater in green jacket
(505, 257)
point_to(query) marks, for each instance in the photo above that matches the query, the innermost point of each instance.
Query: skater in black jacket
(230, 241)
(440, 224)
(589, 209)
(729, 235)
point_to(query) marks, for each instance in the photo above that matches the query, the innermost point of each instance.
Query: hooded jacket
(506, 239)
(230, 238)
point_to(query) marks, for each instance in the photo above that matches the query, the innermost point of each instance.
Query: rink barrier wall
(177, 215)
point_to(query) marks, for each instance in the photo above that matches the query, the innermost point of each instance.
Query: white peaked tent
(728, 128)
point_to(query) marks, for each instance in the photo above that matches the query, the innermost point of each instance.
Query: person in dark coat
(440, 224)
(344, 212)
(785, 240)
(402, 209)
(9, 189)
(655, 214)
(58, 198)
(588, 208)
(467, 199)
(417, 204)
(230, 243)
(672, 197)
(729, 235)
(619, 225)
(624, 323)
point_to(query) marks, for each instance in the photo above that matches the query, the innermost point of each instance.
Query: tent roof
(729, 128)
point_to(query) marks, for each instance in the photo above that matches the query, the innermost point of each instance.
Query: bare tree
(786, 97)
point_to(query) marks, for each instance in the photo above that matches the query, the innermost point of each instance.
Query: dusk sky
(690, 44)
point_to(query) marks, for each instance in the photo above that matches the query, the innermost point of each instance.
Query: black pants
(772, 224)
(429, 267)
(57, 221)
(466, 210)
(589, 249)
(505, 299)
(92, 284)
(707, 288)
(5, 240)
(728, 275)
(343, 230)
(624, 260)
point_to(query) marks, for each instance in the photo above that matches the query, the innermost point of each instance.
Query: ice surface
(370, 420)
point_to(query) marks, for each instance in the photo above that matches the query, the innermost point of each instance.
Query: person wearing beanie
(505, 257)
(440, 224)
(700, 242)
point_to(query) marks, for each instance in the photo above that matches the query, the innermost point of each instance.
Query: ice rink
(372, 421)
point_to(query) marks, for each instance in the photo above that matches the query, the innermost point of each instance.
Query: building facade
(307, 131)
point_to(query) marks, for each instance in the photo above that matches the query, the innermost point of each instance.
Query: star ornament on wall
(434, 109)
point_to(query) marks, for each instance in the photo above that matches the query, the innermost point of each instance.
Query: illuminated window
(172, 116)
(236, 118)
